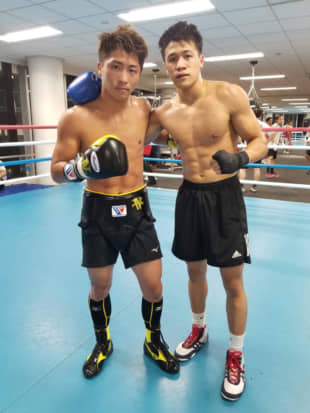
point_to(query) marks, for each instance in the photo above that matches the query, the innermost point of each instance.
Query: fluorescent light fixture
(301, 106)
(265, 104)
(298, 103)
(279, 88)
(294, 100)
(168, 82)
(262, 77)
(35, 33)
(149, 64)
(234, 57)
(167, 10)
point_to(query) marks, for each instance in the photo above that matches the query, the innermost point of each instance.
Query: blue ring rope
(23, 162)
(253, 165)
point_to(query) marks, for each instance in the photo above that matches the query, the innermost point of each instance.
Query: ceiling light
(234, 57)
(299, 103)
(262, 77)
(168, 82)
(149, 64)
(35, 33)
(279, 88)
(167, 10)
(294, 100)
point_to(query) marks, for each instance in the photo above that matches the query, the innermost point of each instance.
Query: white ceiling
(279, 29)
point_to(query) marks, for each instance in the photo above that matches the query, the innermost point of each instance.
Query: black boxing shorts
(272, 153)
(211, 223)
(118, 224)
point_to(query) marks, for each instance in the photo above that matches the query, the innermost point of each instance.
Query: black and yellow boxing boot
(157, 349)
(103, 348)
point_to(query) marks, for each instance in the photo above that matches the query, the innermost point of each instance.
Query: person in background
(256, 171)
(3, 175)
(288, 135)
(307, 154)
(275, 138)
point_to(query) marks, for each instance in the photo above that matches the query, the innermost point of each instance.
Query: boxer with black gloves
(205, 119)
(116, 217)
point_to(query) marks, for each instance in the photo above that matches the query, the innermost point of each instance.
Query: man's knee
(197, 270)
(99, 291)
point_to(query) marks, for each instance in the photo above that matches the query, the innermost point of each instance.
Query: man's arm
(67, 146)
(105, 158)
(245, 124)
(154, 129)
(156, 132)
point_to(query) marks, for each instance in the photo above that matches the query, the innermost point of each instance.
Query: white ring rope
(250, 182)
(161, 175)
(25, 143)
(24, 179)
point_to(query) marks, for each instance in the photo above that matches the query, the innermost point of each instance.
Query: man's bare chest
(201, 127)
(130, 130)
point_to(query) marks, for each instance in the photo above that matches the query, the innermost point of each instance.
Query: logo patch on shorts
(119, 211)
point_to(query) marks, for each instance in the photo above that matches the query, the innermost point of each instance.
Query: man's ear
(202, 60)
(99, 69)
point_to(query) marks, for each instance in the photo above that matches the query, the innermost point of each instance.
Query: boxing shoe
(103, 348)
(189, 348)
(157, 349)
(234, 380)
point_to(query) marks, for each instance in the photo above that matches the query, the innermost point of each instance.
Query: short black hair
(268, 118)
(180, 31)
(123, 37)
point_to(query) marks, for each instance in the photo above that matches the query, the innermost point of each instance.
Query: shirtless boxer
(205, 118)
(116, 218)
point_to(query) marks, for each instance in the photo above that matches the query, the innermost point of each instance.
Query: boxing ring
(47, 331)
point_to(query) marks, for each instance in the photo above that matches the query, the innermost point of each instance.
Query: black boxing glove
(230, 162)
(107, 157)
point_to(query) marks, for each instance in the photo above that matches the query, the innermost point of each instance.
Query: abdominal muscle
(119, 185)
(197, 164)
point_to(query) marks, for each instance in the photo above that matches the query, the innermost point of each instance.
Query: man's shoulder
(72, 118)
(168, 105)
(227, 89)
(139, 104)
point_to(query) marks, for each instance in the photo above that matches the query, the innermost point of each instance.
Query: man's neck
(108, 102)
(191, 95)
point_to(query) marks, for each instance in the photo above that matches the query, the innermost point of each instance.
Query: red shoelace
(233, 366)
(193, 336)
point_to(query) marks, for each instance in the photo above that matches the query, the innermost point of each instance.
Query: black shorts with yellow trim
(118, 224)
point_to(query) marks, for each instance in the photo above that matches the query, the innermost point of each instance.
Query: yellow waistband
(124, 193)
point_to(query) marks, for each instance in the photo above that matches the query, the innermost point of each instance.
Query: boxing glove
(107, 157)
(84, 88)
(230, 162)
